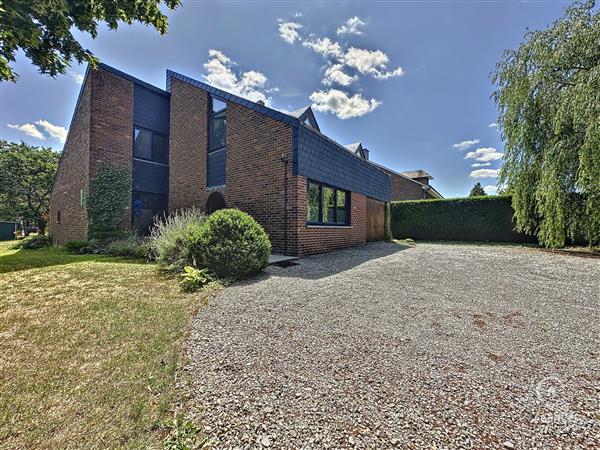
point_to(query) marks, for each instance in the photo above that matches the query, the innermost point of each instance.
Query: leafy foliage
(34, 242)
(26, 176)
(184, 435)
(477, 191)
(548, 97)
(192, 279)
(130, 247)
(231, 243)
(107, 201)
(486, 218)
(171, 237)
(43, 29)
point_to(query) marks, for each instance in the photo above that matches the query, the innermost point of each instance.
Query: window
(217, 142)
(150, 146)
(58, 216)
(327, 205)
(145, 207)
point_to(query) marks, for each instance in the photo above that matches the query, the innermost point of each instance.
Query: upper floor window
(217, 125)
(150, 146)
(327, 205)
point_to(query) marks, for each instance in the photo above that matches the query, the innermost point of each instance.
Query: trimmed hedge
(487, 218)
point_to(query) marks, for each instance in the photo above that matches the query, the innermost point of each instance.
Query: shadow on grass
(17, 260)
(331, 263)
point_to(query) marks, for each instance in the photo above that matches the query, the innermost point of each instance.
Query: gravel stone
(382, 346)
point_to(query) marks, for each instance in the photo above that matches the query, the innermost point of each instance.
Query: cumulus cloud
(484, 173)
(76, 77)
(42, 129)
(490, 189)
(336, 75)
(252, 85)
(341, 104)
(325, 46)
(29, 129)
(493, 125)
(481, 164)
(484, 154)
(370, 62)
(54, 131)
(289, 31)
(351, 26)
(466, 144)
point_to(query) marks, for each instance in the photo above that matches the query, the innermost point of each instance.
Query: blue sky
(410, 80)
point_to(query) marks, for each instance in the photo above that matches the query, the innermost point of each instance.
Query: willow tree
(548, 98)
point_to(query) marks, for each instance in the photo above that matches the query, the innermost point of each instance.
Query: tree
(477, 190)
(548, 98)
(42, 29)
(26, 177)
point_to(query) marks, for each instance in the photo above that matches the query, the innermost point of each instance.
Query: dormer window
(308, 123)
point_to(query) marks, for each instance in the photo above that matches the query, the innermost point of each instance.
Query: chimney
(366, 152)
(261, 103)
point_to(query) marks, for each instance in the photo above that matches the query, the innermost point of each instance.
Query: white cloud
(325, 47)
(76, 77)
(336, 75)
(370, 62)
(484, 173)
(341, 104)
(298, 14)
(251, 85)
(466, 144)
(490, 189)
(485, 154)
(57, 132)
(29, 129)
(289, 31)
(493, 125)
(481, 164)
(351, 26)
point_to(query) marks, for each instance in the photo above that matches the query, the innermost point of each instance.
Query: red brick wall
(404, 189)
(101, 133)
(318, 239)
(72, 176)
(188, 145)
(111, 125)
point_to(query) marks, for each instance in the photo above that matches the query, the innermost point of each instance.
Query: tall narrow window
(217, 143)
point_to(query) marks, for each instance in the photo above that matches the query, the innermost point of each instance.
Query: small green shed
(7, 230)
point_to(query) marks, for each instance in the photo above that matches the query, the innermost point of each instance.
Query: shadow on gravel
(327, 264)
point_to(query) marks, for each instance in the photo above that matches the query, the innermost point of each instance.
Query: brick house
(195, 145)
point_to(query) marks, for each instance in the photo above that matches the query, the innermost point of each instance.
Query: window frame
(212, 115)
(320, 221)
(157, 133)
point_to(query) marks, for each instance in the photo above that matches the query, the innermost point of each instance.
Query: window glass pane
(217, 105)
(142, 144)
(218, 129)
(160, 149)
(328, 204)
(313, 203)
(341, 207)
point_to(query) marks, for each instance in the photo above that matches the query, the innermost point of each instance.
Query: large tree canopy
(548, 97)
(477, 190)
(26, 176)
(42, 28)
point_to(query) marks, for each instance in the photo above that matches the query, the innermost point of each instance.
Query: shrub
(77, 247)
(171, 236)
(91, 246)
(462, 219)
(34, 242)
(192, 279)
(231, 243)
(131, 247)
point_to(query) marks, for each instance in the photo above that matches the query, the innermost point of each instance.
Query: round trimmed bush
(231, 243)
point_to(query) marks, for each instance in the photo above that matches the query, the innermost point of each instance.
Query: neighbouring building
(195, 145)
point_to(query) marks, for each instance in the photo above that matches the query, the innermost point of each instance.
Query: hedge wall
(461, 219)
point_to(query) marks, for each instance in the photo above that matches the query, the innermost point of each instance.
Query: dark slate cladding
(321, 159)
(150, 177)
(217, 168)
(150, 109)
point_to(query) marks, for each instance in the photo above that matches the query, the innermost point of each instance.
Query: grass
(90, 348)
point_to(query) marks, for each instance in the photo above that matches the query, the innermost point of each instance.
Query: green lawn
(89, 350)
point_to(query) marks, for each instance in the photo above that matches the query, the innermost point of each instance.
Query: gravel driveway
(383, 346)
